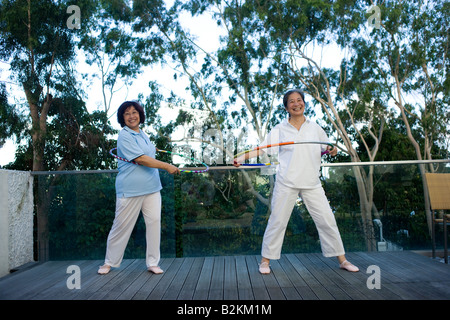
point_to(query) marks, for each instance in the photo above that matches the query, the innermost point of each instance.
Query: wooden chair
(439, 192)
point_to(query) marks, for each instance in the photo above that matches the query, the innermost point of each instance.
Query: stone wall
(16, 219)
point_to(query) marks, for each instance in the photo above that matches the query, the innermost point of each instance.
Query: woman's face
(131, 118)
(295, 105)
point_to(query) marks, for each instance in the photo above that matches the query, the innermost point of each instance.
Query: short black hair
(124, 106)
(291, 91)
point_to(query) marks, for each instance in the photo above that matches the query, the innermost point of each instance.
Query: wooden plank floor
(403, 276)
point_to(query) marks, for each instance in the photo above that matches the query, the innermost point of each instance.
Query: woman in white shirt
(298, 175)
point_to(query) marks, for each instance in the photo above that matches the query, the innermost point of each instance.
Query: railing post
(42, 219)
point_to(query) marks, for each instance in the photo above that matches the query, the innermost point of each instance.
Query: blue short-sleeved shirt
(135, 180)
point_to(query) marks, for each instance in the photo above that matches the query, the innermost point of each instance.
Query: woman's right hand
(172, 169)
(237, 162)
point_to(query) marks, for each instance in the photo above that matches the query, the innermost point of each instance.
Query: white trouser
(127, 212)
(283, 201)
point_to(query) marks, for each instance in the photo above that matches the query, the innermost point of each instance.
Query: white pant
(127, 212)
(283, 201)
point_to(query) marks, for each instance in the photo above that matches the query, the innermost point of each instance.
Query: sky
(207, 32)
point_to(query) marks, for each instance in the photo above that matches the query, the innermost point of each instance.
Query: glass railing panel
(397, 216)
(81, 209)
(225, 212)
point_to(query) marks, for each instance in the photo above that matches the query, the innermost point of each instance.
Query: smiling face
(131, 118)
(295, 105)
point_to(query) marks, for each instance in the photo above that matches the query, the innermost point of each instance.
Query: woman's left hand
(332, 151)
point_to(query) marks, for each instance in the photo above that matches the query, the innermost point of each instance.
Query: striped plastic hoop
(164, 151)
(279, 145)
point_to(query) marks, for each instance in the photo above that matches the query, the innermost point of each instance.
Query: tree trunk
(365, 192)
(38, 136)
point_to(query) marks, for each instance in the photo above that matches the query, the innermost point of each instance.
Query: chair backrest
(439, 190)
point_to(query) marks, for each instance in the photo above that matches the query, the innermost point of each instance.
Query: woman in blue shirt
(137, 189)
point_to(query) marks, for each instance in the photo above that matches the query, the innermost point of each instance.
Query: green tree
(12, 123)
(408, 59)
(33, 49)
(62, 135)
(276, 36)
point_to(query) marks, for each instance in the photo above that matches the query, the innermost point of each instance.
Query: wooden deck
(403, 276)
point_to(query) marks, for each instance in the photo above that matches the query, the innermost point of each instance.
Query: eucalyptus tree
(264, 53)
(265, 48)
(257, 59)
(348, 98)
(40, 43)
(396, 64)
(219, 81)
(12, 123)
(243, 70)
(38, 39)
(35, 38)
(407, 55)
(117, 50)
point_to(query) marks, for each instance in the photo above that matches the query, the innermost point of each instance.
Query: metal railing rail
(230, 167)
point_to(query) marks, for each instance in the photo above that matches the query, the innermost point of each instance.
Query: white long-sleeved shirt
(299, 164)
